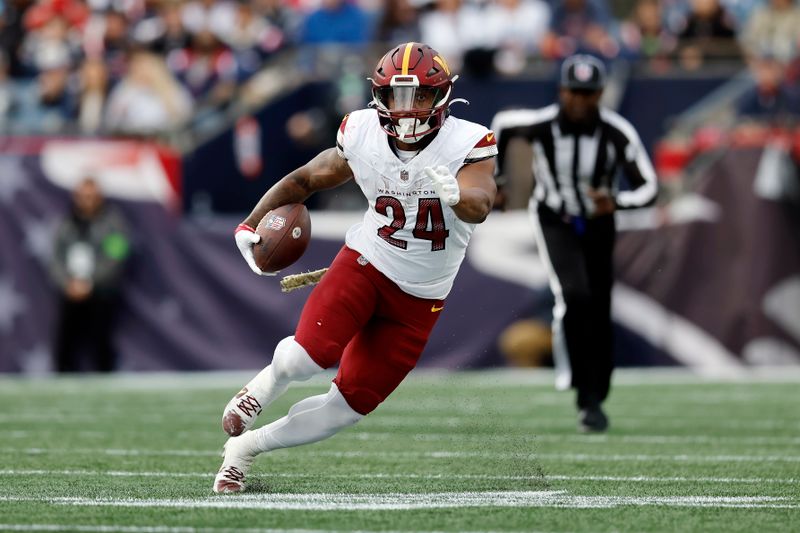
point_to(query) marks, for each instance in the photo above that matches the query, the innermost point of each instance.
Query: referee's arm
(635, 163)
(507, 125)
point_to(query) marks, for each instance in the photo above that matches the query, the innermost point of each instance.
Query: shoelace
(232, 473)
(249, 405)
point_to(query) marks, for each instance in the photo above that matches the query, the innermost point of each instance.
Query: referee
(579, 152)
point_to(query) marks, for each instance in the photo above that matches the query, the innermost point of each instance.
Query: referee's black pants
(580, 254)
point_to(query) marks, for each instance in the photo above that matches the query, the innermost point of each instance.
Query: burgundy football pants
(358, 317)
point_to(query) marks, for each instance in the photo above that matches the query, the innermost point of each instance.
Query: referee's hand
(603, 202)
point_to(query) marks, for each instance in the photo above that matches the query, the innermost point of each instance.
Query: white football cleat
(237, 461)
(240, 414)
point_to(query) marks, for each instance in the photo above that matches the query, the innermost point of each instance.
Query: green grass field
(491, 451)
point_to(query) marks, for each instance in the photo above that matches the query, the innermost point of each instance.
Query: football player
(428, 178)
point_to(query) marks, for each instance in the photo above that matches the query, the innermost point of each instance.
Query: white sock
(310, 420)
(290, 363)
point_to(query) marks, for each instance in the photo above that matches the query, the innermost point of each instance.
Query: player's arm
(325, 171)
(471, 193)
(477, 189)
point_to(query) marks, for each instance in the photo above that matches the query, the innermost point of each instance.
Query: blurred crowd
(143, 66)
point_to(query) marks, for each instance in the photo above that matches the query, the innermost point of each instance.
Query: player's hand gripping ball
(285, 233)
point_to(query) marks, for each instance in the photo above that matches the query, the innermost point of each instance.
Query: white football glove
(445, 184)
(246, 237)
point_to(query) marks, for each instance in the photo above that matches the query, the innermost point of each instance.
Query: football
(285, 233)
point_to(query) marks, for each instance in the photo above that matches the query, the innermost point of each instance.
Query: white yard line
(429, 477)
(404, 501)
(426, 455)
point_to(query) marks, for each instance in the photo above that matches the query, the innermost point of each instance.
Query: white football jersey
(407, 233)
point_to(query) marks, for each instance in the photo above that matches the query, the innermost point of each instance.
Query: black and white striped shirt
(568, 161)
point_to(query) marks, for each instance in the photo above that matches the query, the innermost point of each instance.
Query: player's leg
(335, 310)
(368, 373)
(309, 420)
(290, 362)
(388, 348)
(373, 365)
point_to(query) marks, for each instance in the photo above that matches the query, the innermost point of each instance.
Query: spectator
(709, 33)
(773, 29)
(215, 16)
(115, 44)
(164, 32)
(207, 69)
(774, 98)
(485, 36)
(12, 34)
(91, 248)
(741, 10)
(280, 15)
(520, 26)
(148, 100)
(580, 26)
(336, 22)
(644, 35)
(399, 23)
(477, 36)
(442, 28)
(46, 104)
(342, 27)
(253, 39)
(92, 97)
(44, 40)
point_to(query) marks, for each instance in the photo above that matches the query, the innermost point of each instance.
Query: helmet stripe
(443, 63)
(407, 57)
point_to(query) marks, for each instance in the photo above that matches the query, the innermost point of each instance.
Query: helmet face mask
(411, 90)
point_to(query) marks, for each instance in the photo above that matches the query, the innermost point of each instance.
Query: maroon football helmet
(411, 89)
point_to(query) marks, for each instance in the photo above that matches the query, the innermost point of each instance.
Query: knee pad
(291, 362)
